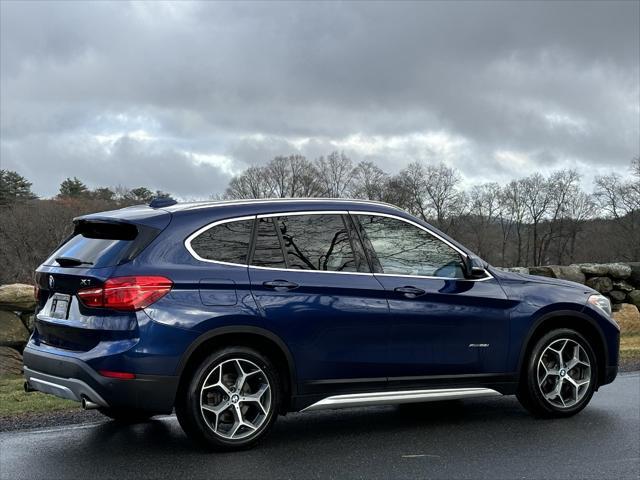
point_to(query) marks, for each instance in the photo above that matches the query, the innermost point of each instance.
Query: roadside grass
(630, 347)
(15, 401)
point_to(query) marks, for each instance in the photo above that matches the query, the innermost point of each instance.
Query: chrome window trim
(187, 244)
(188, 240)
(309, 271)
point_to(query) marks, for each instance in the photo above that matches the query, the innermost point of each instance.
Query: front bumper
(70, 378)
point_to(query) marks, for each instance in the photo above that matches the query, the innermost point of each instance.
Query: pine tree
(14, 187)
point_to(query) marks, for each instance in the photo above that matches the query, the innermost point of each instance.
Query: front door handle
(410, 292)
(280, 285)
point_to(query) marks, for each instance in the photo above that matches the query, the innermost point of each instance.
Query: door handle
(410, 292)
(280, 285)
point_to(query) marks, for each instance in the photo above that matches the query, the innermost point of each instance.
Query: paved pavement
(483, 438)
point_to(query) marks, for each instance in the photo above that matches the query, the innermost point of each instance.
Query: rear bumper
(73, 379)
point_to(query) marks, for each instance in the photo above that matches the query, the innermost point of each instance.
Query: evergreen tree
(73, 188)
(14, 187)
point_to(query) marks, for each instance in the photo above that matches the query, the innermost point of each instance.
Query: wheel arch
(577, 321)
(261, 339)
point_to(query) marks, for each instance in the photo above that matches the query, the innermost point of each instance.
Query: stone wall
(618, 281)
(17, 306)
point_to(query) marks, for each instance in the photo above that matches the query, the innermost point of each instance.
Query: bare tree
(368, 181)
(484, 208)
(514, 209)
(334, 174)
(620, 199)
(249, 184)
(445, 199)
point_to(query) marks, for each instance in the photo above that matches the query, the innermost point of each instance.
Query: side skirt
(392, 398)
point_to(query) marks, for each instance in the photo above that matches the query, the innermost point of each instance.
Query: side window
(405, 249)
(267, 251)
(317, 242)
(227, 242)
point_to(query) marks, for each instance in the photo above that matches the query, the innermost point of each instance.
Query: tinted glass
(317, 242)
(227, 242)
(267, 251)
(405, 249)
(96, 245)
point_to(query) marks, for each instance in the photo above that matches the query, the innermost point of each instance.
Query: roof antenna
(161, 202)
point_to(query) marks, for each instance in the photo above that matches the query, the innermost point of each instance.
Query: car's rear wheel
(231, 400)
(560, 375)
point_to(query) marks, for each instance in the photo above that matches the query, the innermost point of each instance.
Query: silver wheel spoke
(235, 398)
(563, 384)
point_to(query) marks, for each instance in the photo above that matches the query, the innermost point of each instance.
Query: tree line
(533, 220)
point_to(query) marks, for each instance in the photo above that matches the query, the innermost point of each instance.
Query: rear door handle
(280, 285)
(410, 292)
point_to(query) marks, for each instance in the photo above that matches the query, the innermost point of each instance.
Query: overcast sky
(181, 96)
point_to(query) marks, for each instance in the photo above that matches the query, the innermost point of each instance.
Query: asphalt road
(483, 438)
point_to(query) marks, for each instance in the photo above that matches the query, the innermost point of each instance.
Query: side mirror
(475, 267)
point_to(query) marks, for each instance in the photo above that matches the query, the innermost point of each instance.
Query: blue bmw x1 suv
(232, 313)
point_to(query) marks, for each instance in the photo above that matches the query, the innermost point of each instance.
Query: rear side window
(97, 244)
(227, 242)
(268, 250)
(317, 242)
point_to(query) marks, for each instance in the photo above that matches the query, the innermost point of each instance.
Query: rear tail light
(126, 293)
(36, 292)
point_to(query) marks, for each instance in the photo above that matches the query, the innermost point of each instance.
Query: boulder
(10, 361)
(17, 297)
(634, 297)
(601, 284)
(628, 317)
(28, 320)
(634, 278)
(617, 296)
(619, 270)
(542, 271)
(622, 285)
(12, 330)
(572, 273)
(597, 269)
(523, 270)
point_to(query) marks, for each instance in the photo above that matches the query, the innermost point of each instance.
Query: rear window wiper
(71, 262)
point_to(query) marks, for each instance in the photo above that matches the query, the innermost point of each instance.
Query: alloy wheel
(564, 373)
(235, 399)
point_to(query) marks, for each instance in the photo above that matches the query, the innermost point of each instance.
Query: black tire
(192, 417)
(126, 416)
(531, 394)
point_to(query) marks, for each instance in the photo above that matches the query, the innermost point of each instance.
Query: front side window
(227, 242)
(317, 242)
(404, 249)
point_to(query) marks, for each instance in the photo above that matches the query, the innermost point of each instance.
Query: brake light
(126, 293)
(36, 292)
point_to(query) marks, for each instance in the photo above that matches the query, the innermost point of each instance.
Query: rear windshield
(95, 245)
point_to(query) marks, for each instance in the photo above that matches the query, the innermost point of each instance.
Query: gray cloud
(202, 90)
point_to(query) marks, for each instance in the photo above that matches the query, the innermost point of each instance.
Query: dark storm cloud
(499, 89)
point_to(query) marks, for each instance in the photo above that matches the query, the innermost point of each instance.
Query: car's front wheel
(231, 400)
(560, 375)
